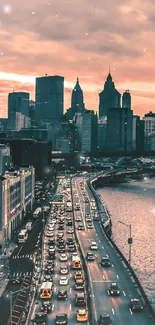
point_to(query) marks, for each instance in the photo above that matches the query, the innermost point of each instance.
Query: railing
(137, 282)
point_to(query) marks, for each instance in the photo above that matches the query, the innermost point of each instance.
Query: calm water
(134, 203)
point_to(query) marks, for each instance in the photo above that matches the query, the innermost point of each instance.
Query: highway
(100, 277)
(58, 306)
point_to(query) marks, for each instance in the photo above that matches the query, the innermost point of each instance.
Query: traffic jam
(61, 295)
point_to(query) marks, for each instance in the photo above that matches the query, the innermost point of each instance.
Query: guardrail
(85, 269)
(137, 282)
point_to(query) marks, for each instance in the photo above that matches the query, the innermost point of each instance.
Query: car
(61, 319)
(63, 258)
(136, 305)
(80, 299)
(60, 234)
(64, 270)
(71, 248)
(82, 315)
(105, 261)
(46, 306)
(89, 226)
(90, 256)
(79, 284)
(78, 219)
(63, 281)
(80, 227)
(70, 230)
(62, 295)
(93, 246)
(105, 319)
(78, 275)
(114, 289)
(48, 278)
(16, 279)
(61, 249)
(51, 250)
(69, 223)
(74, 255)
(40, 318)
(49, 270)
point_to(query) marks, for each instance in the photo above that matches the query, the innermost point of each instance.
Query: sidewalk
(4, 266)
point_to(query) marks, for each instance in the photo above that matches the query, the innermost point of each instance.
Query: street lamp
(129, 239)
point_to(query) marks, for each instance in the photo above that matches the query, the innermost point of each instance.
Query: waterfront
(134, 203)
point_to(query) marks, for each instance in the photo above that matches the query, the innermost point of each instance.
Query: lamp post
(129, 239)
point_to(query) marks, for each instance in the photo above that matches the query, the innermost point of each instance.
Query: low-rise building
(16, 199)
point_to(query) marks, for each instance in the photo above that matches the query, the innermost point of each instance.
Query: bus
(22, 236)
(46, 290)
(29, 226)
(76, 262)
(37, 213)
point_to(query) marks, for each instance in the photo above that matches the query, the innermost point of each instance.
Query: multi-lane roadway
(100, 278)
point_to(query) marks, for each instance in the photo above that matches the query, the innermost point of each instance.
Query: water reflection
(134, 203)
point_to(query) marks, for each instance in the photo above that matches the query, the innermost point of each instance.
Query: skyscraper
(109, 97)
(86, 123)
(49, 98)
(126, 100)
(77, 103)
(119, 129)
(18, 110)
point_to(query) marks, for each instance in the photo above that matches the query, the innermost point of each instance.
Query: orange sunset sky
(79, 38)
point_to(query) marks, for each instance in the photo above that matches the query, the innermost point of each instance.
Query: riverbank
(133, 203)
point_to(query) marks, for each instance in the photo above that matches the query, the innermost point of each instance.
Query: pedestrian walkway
(3, 285)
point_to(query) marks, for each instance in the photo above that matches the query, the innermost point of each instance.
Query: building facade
(109, 97)
(5, 158)
(16, 199)
(86, 123)
(119, 129)
(126, 100)
(102, 134)
(18, 110)
(149, 120)
(77, 101)
(49, 98)
(138, 134)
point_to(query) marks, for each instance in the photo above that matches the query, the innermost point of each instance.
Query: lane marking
(117, 276)
(70, 307)
(113, 311)
(70, 289)
(112, 265)
(103, 247)
(53, 307)
(130, 311)
(124, 294)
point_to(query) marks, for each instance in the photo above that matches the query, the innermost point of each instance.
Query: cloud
(81, 38)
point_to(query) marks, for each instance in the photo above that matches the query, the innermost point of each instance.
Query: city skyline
(62, 39)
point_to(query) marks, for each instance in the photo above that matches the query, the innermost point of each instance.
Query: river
(134, 203)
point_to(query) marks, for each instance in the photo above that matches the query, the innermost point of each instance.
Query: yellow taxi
(78, 275)
(82, 315)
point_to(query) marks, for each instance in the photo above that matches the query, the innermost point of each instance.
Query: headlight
(117, 291)
(112, 292)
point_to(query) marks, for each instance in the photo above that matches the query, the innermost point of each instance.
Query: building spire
(77, 80)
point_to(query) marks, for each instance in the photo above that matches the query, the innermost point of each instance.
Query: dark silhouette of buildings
(18, 110)
(119, 129)
(28, 152)
(126, 100)
(49, 98)
(109, 97)
(77, 102)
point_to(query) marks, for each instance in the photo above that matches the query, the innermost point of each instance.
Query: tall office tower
(126, 100)
(109, 97)
(149, 120)
(77, 103)
(87, 126)
(18, 110)
(49, 98)
(138, 134)
(119, 129)
(102, 134)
